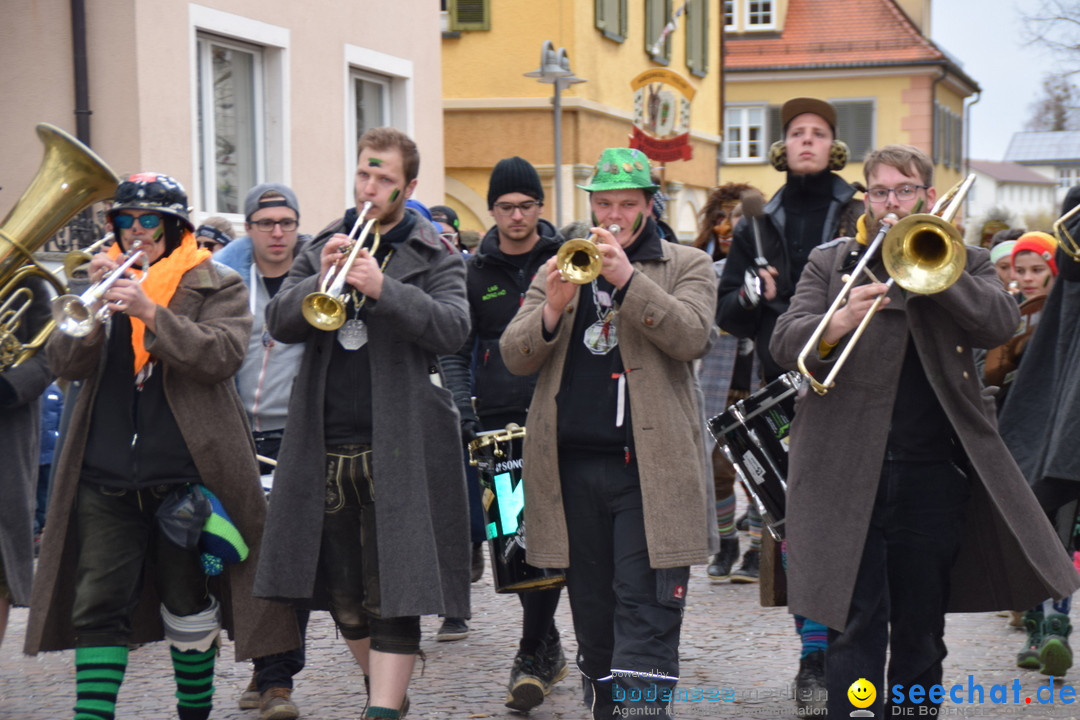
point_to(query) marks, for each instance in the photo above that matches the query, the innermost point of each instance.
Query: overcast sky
(985, 36)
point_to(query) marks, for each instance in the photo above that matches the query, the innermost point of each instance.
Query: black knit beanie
(512, 175)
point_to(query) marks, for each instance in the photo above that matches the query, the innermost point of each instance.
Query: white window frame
(750, 25)
(734, 26)
(272, 97)
(400, 73)
(744, 140)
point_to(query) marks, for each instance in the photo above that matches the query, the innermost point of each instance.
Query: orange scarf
(160, 285)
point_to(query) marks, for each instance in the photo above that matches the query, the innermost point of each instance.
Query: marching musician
(111, 571)
(894, 463)
(499, 274)
(369, 516)
(614, 455)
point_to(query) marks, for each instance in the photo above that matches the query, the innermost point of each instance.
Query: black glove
(469, 429)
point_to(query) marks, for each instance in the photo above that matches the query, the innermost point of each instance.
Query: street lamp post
(555, 70)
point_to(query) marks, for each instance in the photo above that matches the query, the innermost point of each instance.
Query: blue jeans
(902, 587)
(117, 532)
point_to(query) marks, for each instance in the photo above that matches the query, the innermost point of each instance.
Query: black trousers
(902, 586)
(627, 615)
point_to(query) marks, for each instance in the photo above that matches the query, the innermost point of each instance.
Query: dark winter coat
(422, 519)
(757, 323)
(1009, 557)
(496, 288)
(199, 343)
(20, 427)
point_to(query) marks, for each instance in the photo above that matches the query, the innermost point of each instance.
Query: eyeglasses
(124, 222)
(507, 209)
(267, 225)
(209, 244)
(903, 192)
(449, 237)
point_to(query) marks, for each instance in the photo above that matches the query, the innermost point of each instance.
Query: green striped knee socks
(194, 670)
(98, 674)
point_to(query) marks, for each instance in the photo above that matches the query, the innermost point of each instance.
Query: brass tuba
(70, 178)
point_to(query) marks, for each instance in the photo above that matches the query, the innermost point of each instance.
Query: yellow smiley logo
(862, 693)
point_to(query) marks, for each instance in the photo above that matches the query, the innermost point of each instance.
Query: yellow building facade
(493, 111)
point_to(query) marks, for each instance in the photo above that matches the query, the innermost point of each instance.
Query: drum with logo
(497, 458)
(753, 434)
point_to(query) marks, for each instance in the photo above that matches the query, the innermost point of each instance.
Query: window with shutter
(611, 19)
(657, 14)
(855, 126)
(697, 37)
(469, 14)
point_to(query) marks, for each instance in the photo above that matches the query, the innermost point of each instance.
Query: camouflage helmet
(154, 192)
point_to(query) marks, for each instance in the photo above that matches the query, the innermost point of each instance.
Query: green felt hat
(621, 169)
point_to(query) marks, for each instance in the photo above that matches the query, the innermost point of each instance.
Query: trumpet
(923, 253)
(75, 259)
(78, 315)
(325, 308)
(579, 259)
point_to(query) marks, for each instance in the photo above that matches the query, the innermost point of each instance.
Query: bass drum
(497, 458)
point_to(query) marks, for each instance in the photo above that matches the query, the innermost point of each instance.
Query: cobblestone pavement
(729, 643)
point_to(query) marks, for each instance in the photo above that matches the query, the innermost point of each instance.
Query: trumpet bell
(579, 261)
(323, 311)
(72, 316)
(924, 254)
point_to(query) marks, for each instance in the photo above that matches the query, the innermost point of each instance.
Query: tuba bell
(70, 178)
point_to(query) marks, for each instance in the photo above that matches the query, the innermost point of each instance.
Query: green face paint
(394, 195)
(637, 222)
(158, 232)
(374, 162)
(918, 207)
(595, 220)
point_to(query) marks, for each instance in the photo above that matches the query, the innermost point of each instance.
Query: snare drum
(497, 458)
(753, 434)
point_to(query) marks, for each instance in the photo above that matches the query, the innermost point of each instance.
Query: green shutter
(657, 14)
(855, 127)
(697, 37)
(469, 14)
(611, 18)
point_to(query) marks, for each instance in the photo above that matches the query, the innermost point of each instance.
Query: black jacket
(758, 322)
(495, 288)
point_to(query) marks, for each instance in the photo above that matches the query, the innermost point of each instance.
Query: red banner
(676, 148)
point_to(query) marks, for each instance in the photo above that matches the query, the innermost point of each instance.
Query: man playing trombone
(900, 491)
(369, 516)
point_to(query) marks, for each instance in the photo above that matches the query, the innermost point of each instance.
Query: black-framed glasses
(507, 209)
(267, 225)
(123, 221)
(903, 192)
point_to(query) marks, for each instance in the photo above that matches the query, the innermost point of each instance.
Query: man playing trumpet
(369, 517)
(900, 490)
(614, 452)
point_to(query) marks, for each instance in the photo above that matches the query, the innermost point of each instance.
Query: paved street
(746, 652)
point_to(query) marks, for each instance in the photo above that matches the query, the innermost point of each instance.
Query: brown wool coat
(664, 323)
(200, 343)
(1010, 557)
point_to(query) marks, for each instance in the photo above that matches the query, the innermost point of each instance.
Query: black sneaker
(810, 692)
(551, 662)
(749, 571)
(477, 561)
(452, 629)
(526, 689)
(721, 563)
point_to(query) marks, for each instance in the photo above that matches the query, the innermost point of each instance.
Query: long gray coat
(20, 428)
(1009, 557)
(422, 518)
(664, 323)
(200, 342)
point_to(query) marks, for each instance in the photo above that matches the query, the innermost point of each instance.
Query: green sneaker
(1055, 655)
(1028, 657)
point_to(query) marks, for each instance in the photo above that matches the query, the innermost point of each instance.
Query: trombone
(1064, 234)
(325, 308)
(923, 253)
(78, 315)
(579, 259)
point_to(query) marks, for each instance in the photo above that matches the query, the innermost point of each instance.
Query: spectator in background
(52, 405)
(447, 223)
(214, 233)
(469, 240)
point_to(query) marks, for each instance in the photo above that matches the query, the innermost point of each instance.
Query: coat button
(966, 376)
(649, 321)
(569, 308)
(959, 348)
(525, 350)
